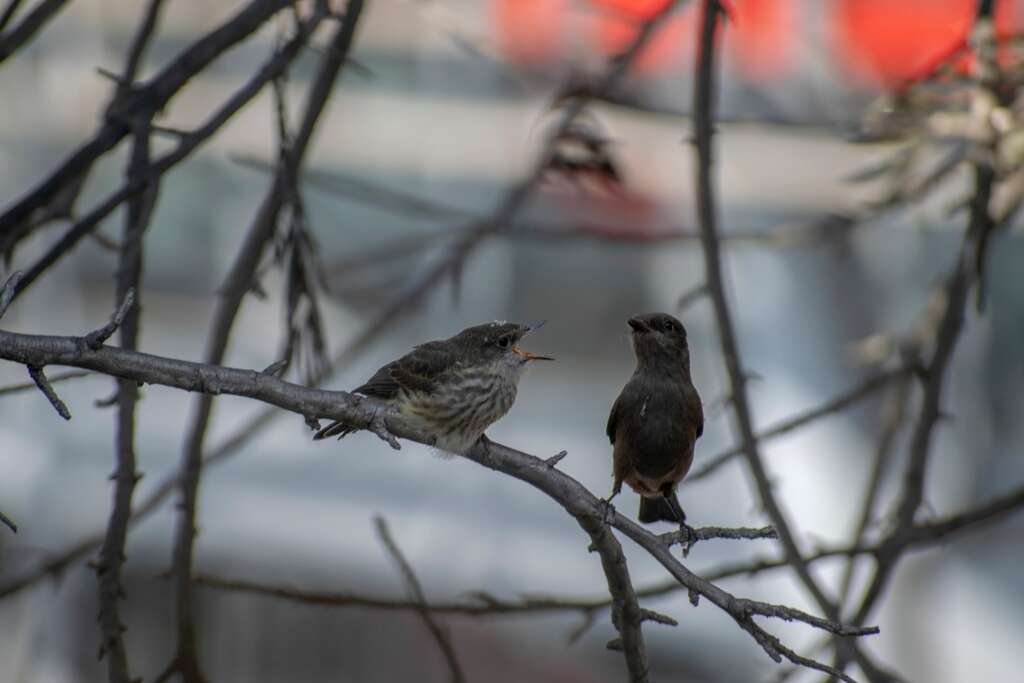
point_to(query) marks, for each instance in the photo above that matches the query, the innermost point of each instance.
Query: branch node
(94, 340)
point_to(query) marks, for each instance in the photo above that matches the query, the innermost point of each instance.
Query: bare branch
(151, 97)
(188, 144)
(420, 600)
(8, 522)
(37, 375)
(8, 290)
(237, 284)
(17, 37)
(360, 411)
(835, 405)
(96, 338)
(127, 317)
(703, 94)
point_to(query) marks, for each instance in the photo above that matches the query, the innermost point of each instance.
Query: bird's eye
(504, 341)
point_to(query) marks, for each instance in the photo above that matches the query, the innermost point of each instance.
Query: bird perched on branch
(453, 389)
(656, 419)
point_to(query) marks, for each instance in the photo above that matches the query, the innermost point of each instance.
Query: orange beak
(529, 356)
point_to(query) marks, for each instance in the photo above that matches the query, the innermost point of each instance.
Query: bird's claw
(687, 537)
(607, 510)
(378, 427)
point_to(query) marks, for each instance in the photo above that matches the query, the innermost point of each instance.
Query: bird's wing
(613, 418)
(418, 370)
(698, 411)
(630, 397)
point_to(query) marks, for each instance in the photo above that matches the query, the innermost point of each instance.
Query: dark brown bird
(656, 419)
(453, 389)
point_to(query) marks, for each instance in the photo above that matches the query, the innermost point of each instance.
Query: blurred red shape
(894, 41)
(759, 33)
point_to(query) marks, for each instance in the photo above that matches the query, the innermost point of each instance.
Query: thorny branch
(419, 600)
(129, 275)
(703, 99)
(481, 604)
(237, 284)
(946, 335)
(187, 144)
(361, 412)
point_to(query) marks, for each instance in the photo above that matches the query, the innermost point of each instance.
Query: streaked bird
(656, 419)
(453, 389)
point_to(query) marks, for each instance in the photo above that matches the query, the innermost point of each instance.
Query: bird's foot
(607, 509)
(378, 427)
(687, 537)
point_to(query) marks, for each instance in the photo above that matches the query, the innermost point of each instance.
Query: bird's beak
(533, 327)
(526, 355)
(637, 325)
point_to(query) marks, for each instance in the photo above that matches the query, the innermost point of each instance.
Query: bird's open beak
(637, 325)
(526, 355)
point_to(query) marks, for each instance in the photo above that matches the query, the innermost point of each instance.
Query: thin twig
(37, 375)
(13, 40)
(703, 99)
(8, 290)
(188, 144)
(127, 318)
(947, 334)
(152, 96)
(419, 600)
(360, 412)
(237, 284)
(834, 405)
(8, 522)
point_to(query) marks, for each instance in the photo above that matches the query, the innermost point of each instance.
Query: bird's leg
(687, 534)
(608, 510)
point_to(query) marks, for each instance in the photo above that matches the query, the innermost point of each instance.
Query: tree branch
(278, 62)
(20, 35)
(360, 412)
(703, 94)
(149, 98)
(127, 318)
(236, 285)
(835, 405)
(419, 600)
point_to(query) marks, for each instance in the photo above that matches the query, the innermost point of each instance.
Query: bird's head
(659, 336)
(498, 342)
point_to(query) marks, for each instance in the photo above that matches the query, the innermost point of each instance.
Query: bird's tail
(663, 509)
(339, 429)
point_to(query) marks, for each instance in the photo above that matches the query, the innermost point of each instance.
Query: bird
(656, 419)
(452, 389)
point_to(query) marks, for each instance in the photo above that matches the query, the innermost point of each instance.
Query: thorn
(615, 644)
(276, 368)
(556, 458)
(694, 597)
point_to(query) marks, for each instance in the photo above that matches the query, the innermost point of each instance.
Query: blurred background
(450, 101)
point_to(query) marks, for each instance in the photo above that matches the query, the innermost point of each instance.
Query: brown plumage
(656, 419)
(453, 389)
